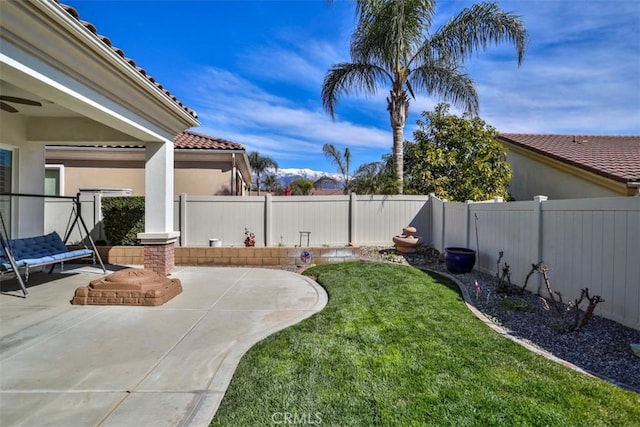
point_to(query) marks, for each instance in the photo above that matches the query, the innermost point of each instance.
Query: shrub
(123, 219)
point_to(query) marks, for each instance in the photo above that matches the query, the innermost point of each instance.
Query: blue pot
(459, 260)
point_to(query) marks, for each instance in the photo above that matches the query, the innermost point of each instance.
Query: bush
(457, 158)
(123, 219)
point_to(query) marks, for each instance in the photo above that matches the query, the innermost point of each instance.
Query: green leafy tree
(301, 187)
(392, 46)
(342, 162)
(457, 158)
(259, 164)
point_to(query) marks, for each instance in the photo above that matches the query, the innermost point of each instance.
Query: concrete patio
(69, 365)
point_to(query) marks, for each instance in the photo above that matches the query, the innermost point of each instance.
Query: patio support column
(159, 237)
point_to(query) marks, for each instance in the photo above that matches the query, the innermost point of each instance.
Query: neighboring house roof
(89, 26)
(197, 141)
(326, 192)
(613, 157)
(185, 140)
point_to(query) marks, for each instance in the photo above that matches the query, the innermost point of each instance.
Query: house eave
(72, 60)
(617, 186)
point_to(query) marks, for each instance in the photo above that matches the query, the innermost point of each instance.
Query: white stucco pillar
(159, 236)
(30, 180)
(27, 162)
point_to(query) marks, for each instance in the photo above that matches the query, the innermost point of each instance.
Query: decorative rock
(130, 286)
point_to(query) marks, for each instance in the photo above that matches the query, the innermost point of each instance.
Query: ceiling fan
(4, 99)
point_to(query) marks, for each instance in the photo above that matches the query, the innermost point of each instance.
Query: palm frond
(448, 82)
(332, 153)
(388, 32)
(478, 26)
(343, 78)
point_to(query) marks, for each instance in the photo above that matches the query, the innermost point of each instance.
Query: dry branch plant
(503, 281)
(571, 316)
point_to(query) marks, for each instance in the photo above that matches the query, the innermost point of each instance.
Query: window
(54, 180)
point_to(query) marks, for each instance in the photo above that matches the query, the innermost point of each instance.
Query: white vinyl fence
(278, 220)
(275, 220)
(587, 243)
(59, 217)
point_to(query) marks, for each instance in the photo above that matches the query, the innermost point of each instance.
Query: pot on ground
(459, 260)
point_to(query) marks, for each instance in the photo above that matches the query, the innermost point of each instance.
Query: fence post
(353, 210)
(467, 221)
(97, 217)
(537, 241)
(440, 227)
(182, 218)
(267, 219)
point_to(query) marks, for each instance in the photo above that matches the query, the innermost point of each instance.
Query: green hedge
(123, 219)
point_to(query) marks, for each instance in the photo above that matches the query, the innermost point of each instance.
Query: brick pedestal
(130, 286)
(160, 257)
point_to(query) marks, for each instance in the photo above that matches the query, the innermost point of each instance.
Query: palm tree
(301, 187)
(374, 177)
(260, 164)
(392, 45)
(271, 183)
(342, 162)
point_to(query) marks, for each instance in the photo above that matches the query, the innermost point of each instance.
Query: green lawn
(396, 346)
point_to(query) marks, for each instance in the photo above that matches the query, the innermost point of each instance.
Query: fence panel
(58, 217)
(455, 224)
(437, 223)
(325, 217)
(224, 218)
(504, 227)
(379, 218)
(594, 243)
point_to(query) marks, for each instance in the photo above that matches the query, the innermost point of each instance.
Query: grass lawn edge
(503, 332)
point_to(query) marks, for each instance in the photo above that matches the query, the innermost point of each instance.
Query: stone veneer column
(159, 251)
(160, 258)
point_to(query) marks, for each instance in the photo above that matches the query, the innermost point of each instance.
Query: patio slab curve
(129, 366)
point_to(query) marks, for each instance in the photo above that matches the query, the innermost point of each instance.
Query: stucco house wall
(572, 166)
(195, 178)
(27, 214)
(100, 175)
(532, 178)
(216, 167)
(203, 178)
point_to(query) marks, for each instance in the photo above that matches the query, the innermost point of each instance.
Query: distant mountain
(285, 176)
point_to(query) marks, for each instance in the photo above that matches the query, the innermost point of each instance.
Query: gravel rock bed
(600, 347)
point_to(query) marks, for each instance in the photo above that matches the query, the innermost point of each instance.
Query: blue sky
(253, 70)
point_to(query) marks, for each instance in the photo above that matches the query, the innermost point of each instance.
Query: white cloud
(579, 75)
(234, 108)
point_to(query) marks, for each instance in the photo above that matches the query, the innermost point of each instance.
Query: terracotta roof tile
(614, 157)
(89, 26)
(188, 140)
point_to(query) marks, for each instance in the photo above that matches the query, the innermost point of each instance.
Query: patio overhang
(50, 53)
(89, 94)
